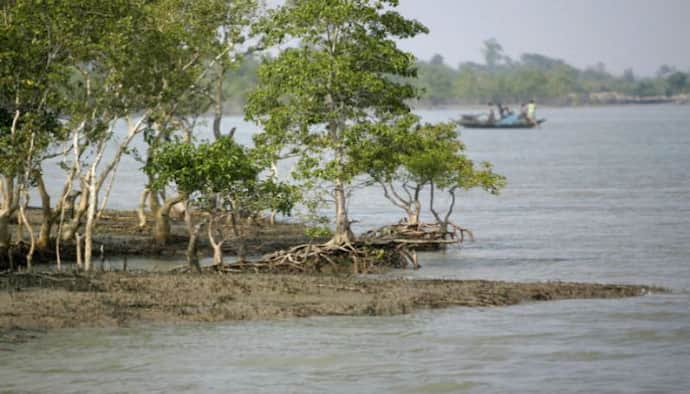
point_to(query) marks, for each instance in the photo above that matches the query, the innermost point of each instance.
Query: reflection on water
(598, 194)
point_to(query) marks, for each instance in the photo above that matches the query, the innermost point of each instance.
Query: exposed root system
(415, 235)
(387, 247)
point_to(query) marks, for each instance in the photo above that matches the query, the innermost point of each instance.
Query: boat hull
(482, 125)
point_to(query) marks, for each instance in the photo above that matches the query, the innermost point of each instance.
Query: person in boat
(523, 111)
(492, 114)
(501, 111)
(532, 112)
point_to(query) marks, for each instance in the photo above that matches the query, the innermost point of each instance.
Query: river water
(596, 194)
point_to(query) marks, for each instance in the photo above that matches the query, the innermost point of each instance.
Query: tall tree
(214, 34)
(493, 53)
(329, 92)
(32, 67)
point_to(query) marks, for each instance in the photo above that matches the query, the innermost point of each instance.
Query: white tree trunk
(216, 246)
(32, 239)
(343, 234)
(90, 219)
(141, 214)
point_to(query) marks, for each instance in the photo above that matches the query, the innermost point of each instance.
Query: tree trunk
(43, 242)
(32, 241)
(193, 231)
(217, 254)
(161, 228)
(445, 221)
(90, 220)
(71, 226)
(216, 246)
(154, 202)
(410, 205)
(141, 214)
(343, 234)
(218, 106)
(192, 256)
(413, 213)
(78, 238)
(416, 206)
(5, 238)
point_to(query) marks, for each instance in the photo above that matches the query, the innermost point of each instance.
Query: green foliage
(334, 90)
(318, 232)
(434, 152)
(535, 76)
(677, 83)
(222, 169)
(207, 168)
(532, 76)
(407, 151)
(437, 156)
(436, 81)
(32, 65)
(409, 156)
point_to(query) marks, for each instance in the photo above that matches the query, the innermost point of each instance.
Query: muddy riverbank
(48, 301)
(118, 234)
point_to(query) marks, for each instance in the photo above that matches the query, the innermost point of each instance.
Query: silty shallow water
(598, 194)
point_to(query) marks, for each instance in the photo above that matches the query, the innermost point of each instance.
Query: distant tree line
(536, 76)
(503, 79)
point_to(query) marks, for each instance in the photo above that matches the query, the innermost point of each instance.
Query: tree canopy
(335, 87)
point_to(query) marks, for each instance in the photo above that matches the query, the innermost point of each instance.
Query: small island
(127, 80)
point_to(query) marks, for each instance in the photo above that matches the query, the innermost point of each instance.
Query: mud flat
(47, 301)
(119, 235)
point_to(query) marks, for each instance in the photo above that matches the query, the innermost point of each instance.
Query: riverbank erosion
(48, 301)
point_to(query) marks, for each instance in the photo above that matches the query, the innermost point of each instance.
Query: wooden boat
(508, 122)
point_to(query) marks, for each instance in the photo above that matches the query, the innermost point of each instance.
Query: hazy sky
(642, 34)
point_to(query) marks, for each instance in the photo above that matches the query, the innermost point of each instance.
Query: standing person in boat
(523, 111)
(492, 114)
(501, 110)
(532, 112)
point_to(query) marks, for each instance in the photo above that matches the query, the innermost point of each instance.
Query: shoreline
(594, 104)
(40, 302)
(463, 107)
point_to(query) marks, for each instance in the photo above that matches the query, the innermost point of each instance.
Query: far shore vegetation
(501, 79)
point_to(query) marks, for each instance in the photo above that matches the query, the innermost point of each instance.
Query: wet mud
(47, 301)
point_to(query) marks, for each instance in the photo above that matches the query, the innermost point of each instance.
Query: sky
(641, 34)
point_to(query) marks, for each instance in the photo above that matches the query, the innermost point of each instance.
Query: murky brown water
(599, 194)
